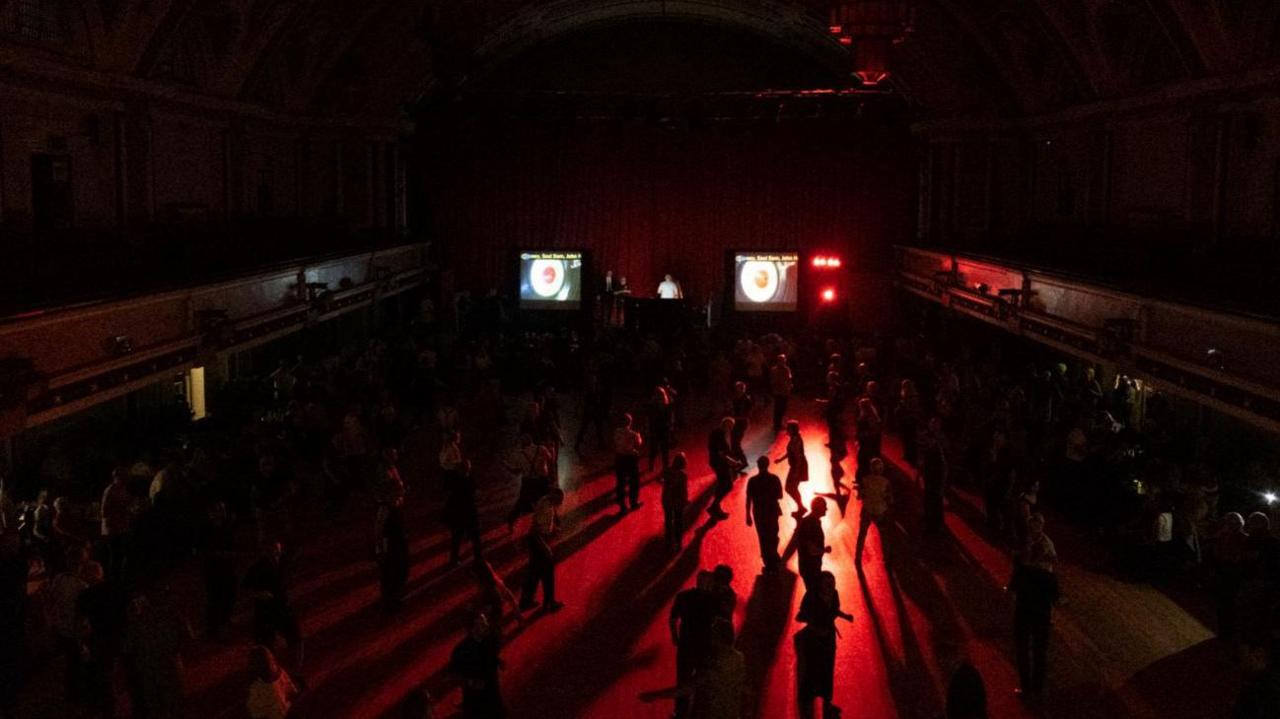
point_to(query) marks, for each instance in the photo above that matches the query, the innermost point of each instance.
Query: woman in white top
(271, 691)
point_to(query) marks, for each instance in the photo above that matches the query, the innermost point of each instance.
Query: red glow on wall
(846, 40)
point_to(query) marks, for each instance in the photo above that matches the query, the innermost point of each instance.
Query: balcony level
(1223, 360)
(60, 357)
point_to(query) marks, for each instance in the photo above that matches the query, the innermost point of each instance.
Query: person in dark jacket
(816, 645)
(764, 506)
(675, 497)
(476, 661)
(1035, 587)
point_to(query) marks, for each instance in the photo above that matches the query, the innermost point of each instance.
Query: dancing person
(661, 424)
(218, 550)
(542, 562)
(723, 464)
(476, 661)
(797, 466)
(933, 471)
(532, 465)
(966, 694)
(1035, 587)
(816, 645)
(595, 411)
(764, 507)
(907, 415)
(720, 690)
(692, 615)
(392, 552)
(460, 512)
(867, 428)
(273, 614)
(740, 407)
(675, 498)
(877, 498)
(809, 542)
(117, 520)
(626, 464)
(271, 690)
(780, 385)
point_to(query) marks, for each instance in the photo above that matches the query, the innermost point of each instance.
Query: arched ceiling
(368, 58)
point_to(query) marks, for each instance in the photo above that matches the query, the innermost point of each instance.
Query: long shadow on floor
(596, 655)
(766, 620)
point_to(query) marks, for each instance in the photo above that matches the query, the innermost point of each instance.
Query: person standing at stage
(740, 407)
(764, 506)
(1036, 588)
(797, 466)
(675, 497)
(780, 385)
(810, 542)
(816, 645)
(273, 614)
(723, 463)
(669, 289)
(877, 497)
(542, 562)
(626, 464)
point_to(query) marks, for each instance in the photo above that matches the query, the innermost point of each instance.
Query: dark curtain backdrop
(647, 200)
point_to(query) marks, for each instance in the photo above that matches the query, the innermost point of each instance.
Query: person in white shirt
(626, 450)
(669, 289)
(542, 563)
(877, 496)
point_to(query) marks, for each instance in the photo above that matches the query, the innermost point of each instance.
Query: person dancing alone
(797, 466)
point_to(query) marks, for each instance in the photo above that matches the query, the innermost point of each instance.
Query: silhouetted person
(626, 463)
(542, 563)
(692, 615)
(460, 512)
(740, 405)
(476, 662)
(218, 551)
(810, 542)
(933, 471)
(272, 613)
(764, 507)
(723, 464)
(393, 554)
(722, 589)
(877, 497)
(675, 498)
(797, 466)
(780, 388)
(868, 428)
(966, 694)
(661, 423)
(1036, 589)
(1260, 696)
(816, 645)
(595, 411)
(117, 521)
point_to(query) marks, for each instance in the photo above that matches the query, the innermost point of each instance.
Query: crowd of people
(326, 433)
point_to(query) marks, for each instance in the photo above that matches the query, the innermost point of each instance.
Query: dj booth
(649, 315)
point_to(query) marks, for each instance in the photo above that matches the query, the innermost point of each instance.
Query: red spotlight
(833, 262)
(829, 295)
(819, 261)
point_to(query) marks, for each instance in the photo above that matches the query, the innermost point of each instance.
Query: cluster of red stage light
(828, 294)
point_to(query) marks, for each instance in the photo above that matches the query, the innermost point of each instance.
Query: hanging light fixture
(871, 28)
